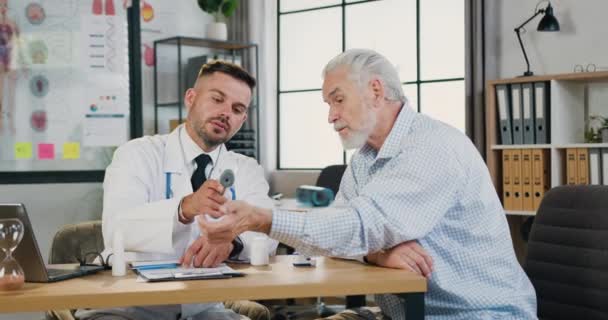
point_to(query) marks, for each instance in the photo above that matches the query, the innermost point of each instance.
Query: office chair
(567, 258)
(75, 241)
(330, 177)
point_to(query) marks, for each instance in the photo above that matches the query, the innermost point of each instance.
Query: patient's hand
(407, 255)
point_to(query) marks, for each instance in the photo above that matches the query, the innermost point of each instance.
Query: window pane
(441, 39)
(444, 101)
(293, 5)
(306, 47)
(388, 27)
(411, 93)
(307, 140)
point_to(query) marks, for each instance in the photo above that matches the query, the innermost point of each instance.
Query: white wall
(581, 39)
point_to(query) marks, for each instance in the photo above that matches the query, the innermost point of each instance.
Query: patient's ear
(377, 88)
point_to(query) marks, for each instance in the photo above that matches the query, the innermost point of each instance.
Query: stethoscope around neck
(169, 191)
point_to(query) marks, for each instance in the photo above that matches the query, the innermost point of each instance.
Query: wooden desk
(331, 277)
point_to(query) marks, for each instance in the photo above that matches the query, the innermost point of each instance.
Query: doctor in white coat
(148, 191)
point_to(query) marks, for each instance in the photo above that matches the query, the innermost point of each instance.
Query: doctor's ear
(189, 97)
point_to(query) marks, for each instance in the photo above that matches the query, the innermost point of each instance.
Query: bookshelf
(567, 121)
(568, 115)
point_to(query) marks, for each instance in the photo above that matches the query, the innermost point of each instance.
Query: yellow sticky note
(23, 150)
(71, 150)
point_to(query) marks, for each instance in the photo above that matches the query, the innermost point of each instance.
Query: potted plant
(220, 10)
(602, 131)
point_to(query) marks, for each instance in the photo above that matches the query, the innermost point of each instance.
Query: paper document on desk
(155, 264)
(171, 274)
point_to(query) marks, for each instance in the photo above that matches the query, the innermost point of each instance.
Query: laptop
(28, 254)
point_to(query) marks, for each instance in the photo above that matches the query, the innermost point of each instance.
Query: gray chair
(75, 242)
(567, 259)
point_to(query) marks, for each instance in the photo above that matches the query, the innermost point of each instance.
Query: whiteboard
(64, 84)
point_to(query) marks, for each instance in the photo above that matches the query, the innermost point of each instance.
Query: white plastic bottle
(119, 265)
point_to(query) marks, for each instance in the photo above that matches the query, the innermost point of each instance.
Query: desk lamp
(547, 23)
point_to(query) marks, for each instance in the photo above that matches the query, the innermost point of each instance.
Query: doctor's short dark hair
(228, 68)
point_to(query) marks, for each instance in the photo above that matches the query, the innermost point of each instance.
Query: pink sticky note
(46, 151)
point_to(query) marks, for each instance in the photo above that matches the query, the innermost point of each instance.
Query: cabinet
(177, 61)
(568, 118)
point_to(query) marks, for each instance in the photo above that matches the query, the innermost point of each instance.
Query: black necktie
(199, 177)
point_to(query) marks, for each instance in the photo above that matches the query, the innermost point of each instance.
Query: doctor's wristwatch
(237, 249)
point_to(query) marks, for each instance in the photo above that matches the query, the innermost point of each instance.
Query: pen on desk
(158, 266)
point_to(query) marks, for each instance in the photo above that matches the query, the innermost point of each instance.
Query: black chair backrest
(567, 258)
(331, 176)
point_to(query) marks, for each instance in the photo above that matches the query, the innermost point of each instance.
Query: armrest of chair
(250, 309)
(59, 315)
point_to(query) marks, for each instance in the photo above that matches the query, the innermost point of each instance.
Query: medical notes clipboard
(178, 274)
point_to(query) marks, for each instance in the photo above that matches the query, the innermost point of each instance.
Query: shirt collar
(192, 150)
(392, 144)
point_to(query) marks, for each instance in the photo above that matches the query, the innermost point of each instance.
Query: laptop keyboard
(58, 272)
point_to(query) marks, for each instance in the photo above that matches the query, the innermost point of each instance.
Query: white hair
(363, 64)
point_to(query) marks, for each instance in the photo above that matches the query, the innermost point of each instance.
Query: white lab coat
(135, 196)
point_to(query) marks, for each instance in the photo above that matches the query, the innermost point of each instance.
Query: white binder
(503, 104)
(516, 111)
(527, 91)
(604, 166)
(595, 166)
(542, 112)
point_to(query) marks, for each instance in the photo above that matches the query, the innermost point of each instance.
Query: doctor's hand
(408, 255)
(202, 253)
(237, 217)
(207, 199)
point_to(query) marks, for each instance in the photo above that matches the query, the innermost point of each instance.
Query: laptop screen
(27, 253)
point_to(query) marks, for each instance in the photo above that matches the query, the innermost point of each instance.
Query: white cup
(259, 252)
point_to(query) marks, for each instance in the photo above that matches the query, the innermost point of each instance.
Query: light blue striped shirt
(427, 182)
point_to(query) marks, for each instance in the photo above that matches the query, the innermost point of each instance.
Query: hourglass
(11, 274)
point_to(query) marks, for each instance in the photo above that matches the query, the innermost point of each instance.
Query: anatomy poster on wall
(64, 84)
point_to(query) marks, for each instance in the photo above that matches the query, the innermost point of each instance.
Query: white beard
(355, 141)
(358, 138)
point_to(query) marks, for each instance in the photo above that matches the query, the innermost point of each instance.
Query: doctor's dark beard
(207, 139)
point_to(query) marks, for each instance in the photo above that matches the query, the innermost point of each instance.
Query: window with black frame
(424, 39)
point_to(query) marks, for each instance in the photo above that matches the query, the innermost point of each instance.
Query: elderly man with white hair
(413, 179)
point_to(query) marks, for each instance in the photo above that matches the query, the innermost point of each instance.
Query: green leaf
(228, 7)
(203, 5)
(210, 6)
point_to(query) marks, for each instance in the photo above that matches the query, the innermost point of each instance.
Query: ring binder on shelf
(516, 110)
(503, 101)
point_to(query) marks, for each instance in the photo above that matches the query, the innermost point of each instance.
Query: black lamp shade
(548, 22)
